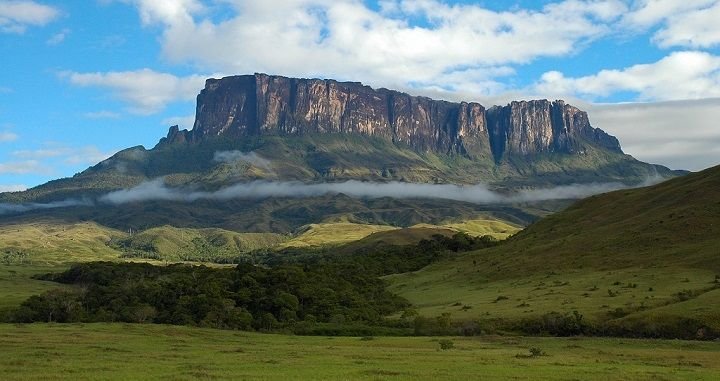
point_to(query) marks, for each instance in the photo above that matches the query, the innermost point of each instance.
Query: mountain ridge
(261, 127)
(261, 104)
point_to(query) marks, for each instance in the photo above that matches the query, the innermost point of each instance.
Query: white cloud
(157, 190)
(86, 155)
(145, 90)
(23, 167)
(647, 13)
(347, 40)
(17, 16)
(59, 37)
(680, 75)
(6, 136)
(103, 114)
(682, 23)
(12, 187)
(695, 29)
(681, 135)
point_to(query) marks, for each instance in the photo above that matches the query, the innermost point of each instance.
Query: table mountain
(260, 104)
(259, 126)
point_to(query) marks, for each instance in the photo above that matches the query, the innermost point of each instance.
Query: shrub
(446, 344)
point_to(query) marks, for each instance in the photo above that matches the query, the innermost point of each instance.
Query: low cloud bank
(7, 208)
(157, 191)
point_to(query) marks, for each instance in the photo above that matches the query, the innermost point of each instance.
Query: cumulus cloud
(424, 42)
(145, 90)
(682, 23)
(16, 16)
(157, 191)
(235, 156)
(680, 75)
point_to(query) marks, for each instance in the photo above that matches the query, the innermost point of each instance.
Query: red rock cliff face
(261, 104)
(541, 126)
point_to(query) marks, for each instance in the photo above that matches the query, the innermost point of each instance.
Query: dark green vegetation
(641, 262)
(300, 287)
(376, 258)
(245, 297)
(157, 352)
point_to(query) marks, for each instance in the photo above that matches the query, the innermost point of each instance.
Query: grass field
(479, 227)
(337, 233)
(52, 242)
(595, 294)
(16, 283)
(154, 352)
(185, 244)
(334, 233)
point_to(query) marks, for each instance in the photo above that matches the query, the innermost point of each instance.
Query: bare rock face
(271, 105)
(540, 126)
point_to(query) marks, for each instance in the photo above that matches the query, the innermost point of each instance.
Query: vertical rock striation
(261, 104)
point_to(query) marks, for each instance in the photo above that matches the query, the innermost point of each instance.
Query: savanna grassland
(155, 352)
(631, 263)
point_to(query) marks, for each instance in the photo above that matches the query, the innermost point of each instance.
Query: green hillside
(169, 243)
(284, 215)
(479, 227)
(333, 233)
(53, 241)
(635, 258)
(332, 157)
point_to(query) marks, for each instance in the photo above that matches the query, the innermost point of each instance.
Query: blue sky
(83, 79)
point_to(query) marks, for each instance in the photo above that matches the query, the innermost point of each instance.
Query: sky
(82, 79)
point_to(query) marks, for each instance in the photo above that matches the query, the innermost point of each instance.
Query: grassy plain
(155, 352)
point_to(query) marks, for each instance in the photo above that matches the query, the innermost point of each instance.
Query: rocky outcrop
(261, 104)
(540, 126)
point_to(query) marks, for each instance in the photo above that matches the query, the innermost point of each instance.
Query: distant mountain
(260, 104)
(269, 127)
(311, 131)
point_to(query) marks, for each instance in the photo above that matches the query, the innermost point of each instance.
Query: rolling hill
(640, 259)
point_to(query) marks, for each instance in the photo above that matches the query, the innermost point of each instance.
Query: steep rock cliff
(260, 104)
